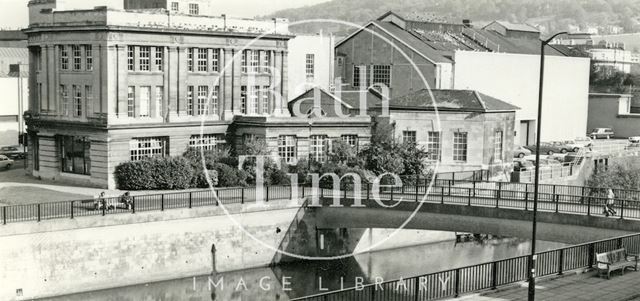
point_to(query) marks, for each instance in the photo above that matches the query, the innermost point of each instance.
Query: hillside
(549, 15)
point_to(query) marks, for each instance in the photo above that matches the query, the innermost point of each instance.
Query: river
(304, 278)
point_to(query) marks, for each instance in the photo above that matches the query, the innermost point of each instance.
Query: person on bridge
(608, 210)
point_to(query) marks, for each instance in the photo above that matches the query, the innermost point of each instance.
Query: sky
(13, 13)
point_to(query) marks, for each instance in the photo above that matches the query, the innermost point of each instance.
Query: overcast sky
(14, 12)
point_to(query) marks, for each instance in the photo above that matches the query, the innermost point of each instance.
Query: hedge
(158, 173)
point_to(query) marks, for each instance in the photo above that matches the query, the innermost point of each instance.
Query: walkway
(571, 287)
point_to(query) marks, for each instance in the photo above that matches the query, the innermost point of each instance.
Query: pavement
(582, 286)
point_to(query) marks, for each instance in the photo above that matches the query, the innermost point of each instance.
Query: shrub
(159, 173)
(229, 176)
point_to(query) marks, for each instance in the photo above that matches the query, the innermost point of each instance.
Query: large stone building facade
(108, 92)
(109, 86)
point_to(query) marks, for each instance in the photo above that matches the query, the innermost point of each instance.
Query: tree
(617, 176)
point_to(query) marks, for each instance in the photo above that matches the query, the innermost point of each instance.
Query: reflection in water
(311, 277)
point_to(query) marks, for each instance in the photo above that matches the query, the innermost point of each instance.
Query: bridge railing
(558, 198)
(489, 275)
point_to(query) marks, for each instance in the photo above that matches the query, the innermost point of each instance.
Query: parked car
(601, 133)
(551, 148)
(13, 152)
(520, 151)
(579, 142)
(634, 139)
(5, 162)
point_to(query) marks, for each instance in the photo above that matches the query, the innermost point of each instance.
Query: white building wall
(514, 78)
(9, 109)
(321, 46)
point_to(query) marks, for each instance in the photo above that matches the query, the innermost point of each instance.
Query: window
(66, 106)
(160, 58)
(266, 61)
(203, 58)
(243, 99)
(310, 66)
(145, 55)
(35, 147)
(77, 100)
(253, 100)
(460, 147)
(88, 95)
(497, 146)
(194, 9)
(130, 58)
(190, 59)
(75, 154)
(265, 99)
(64, 58)
(360, 76)
(206, 141)
(88, 53)
(148, 147)
(409, 137)
(352, 140)
(203, 92)
(131, 101)
(189, 100)
(287, 148)
(319, 147)
(76, 51)
(175, 6)
(244, 58)
(159, 98)
(433, 145)
(255, 61)
(382, 75)
(215, 60)
(214, 100)
(145, 100)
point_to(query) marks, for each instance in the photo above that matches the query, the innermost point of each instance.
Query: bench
(615, 260)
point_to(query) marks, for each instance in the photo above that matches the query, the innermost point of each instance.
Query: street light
(532, 256)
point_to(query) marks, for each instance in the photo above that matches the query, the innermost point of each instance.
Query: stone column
(122, 84)
(171, 73)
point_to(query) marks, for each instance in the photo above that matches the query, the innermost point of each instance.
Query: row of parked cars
(608, 133)
(550, 148)
(13, 152)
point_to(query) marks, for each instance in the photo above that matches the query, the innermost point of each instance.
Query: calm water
(307, 278)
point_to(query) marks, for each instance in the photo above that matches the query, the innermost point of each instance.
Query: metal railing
(556, 198)
(489, 275)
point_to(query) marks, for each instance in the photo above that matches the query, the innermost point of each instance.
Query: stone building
(461, 129)
(108, 86)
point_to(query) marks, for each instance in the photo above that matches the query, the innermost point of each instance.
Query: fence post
(368, 191)
(417, 190)
(133, 204)
(162, 202)
(555, 197)
(4, 215)
(469, 198)
(267, 197)
(449, 187)
(72, 209)
(582, 196)
(441, 195)
(104, 209)
(392, 193)
(499, 192)
(560, 261)
(588, 206)
(622, 209)
(526, 197)
(457, 287)
(494, 275)
(190, 199)
(474, 188)
(591, 255)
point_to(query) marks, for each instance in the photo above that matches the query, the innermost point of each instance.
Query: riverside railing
(489, 275)
(554, 198)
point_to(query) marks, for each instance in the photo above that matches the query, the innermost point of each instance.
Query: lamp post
(536, 180)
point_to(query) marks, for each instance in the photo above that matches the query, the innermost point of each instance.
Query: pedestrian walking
(609, 210)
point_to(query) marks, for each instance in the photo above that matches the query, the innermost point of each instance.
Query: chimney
(466, 23)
